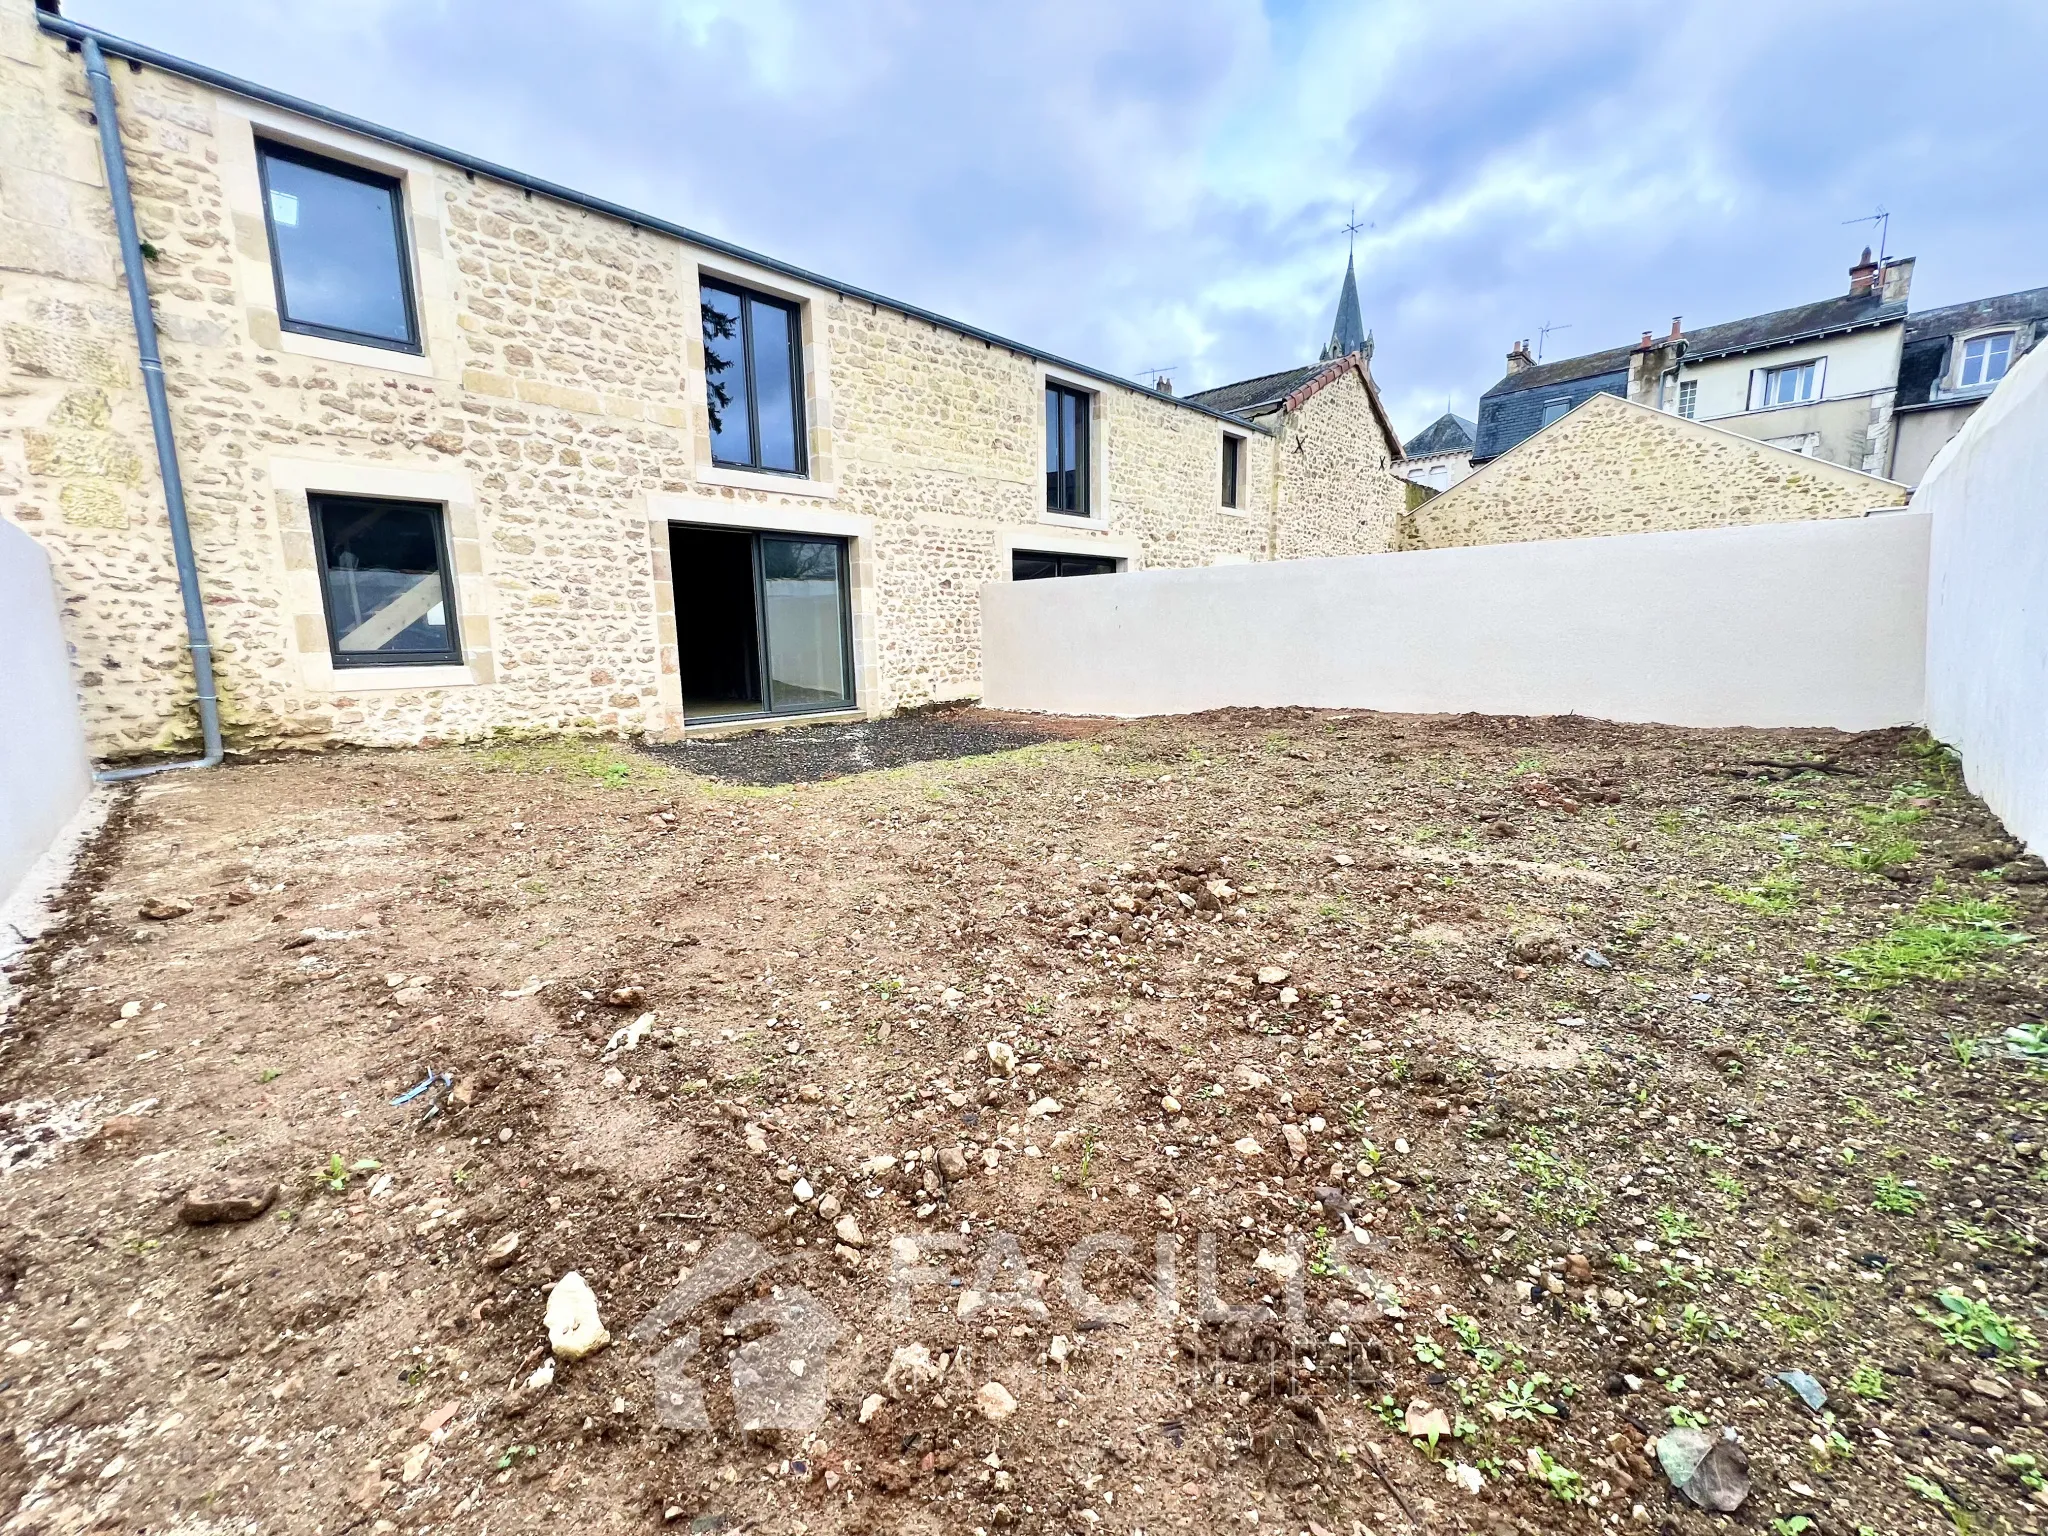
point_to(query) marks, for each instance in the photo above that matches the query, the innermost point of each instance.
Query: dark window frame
(748, 297)
(1233, 471)
(316, 508)
(1059, 558)
(1055, 450)
(850, 699)
(313, 160)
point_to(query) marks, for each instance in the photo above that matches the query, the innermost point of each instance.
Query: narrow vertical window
(386, 581)
(337, 249)
(1233, 468)
(1066, 450)
(753, 379)
(1689, 399)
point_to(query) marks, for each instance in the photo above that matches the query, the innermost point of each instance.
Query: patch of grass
(1942, 940)
(1944, 769)
(1867, 1382)
(604, 762)
(1776, 894)
(1895, 1198)
(1876, 855)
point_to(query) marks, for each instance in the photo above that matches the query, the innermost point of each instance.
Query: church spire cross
(1348, 334)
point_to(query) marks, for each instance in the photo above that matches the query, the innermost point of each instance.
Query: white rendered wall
(44, 775)
(1987, 607)
(1819, 623)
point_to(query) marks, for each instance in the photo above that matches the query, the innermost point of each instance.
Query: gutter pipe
(159, 422)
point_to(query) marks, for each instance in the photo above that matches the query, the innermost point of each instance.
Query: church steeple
(1348, 334)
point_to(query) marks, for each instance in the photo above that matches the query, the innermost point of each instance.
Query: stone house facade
(1611, 466)
(551, 427)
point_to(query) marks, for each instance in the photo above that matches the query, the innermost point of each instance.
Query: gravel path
(806, 754)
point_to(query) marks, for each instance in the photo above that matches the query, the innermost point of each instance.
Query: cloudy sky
(1164, 183)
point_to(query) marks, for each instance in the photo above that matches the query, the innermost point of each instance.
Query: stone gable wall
(1338, 493)
(560, 390)
(1611, 467)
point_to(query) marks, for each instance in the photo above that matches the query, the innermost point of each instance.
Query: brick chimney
(1519, 359)
(1862, 276)
(1677, 331)
(1163, 384)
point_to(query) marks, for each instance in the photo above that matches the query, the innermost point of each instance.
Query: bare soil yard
(1286, 1121)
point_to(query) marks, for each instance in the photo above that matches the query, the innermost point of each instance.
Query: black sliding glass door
(763, 622)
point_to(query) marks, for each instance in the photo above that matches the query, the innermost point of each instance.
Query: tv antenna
(1543, 334)
(1163, 374)
(1883, 220)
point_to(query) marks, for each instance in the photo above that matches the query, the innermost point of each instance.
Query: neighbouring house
(1818, 379)
(1953, 358)
(1440, 455)
(466, 452)
(1611, 465)
(1328, 429)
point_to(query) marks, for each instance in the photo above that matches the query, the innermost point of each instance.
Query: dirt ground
(1258, 1121)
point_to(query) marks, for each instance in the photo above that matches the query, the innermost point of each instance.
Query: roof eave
(141, 53)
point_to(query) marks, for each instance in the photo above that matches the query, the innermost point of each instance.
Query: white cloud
(1164, 181)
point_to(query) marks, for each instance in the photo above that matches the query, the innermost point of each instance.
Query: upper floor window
(753, 379)
(337, 249)
(1066, 450)
(1689, 398)
(1985, 359)
(385, 580)
(1553, 409)
(1233, 469)
(1792, 385)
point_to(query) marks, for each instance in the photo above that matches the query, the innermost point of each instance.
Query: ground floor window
(385, 581)
(1035, 565)
(763, 622)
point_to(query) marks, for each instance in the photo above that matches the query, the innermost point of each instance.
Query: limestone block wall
(555, 412)
(1611, 466)
(1339, 492)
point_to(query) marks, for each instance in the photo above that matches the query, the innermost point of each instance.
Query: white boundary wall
(1818, 623)
(1987, 615)
(44, 774)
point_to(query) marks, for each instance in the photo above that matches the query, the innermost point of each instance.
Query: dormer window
(1985, 360)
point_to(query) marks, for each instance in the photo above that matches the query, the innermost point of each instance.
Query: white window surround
(427, 266)
(665, 508)
(1762, 381)
(819, 480)
(292, 479)
(1244, 466)
(399, 679)
(1098, 454)
(1010, 540)
(1962, 346)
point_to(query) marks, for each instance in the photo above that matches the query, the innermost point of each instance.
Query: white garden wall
(1987, 616)
(44, 775)
(1818, 623)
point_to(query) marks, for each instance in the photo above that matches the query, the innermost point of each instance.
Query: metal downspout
(159, 422)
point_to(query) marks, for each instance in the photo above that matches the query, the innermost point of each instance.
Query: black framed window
(1037, 565)
(753, 379)
(1233, 468)
(386, 581)
(337, 249)
(1066, 450)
